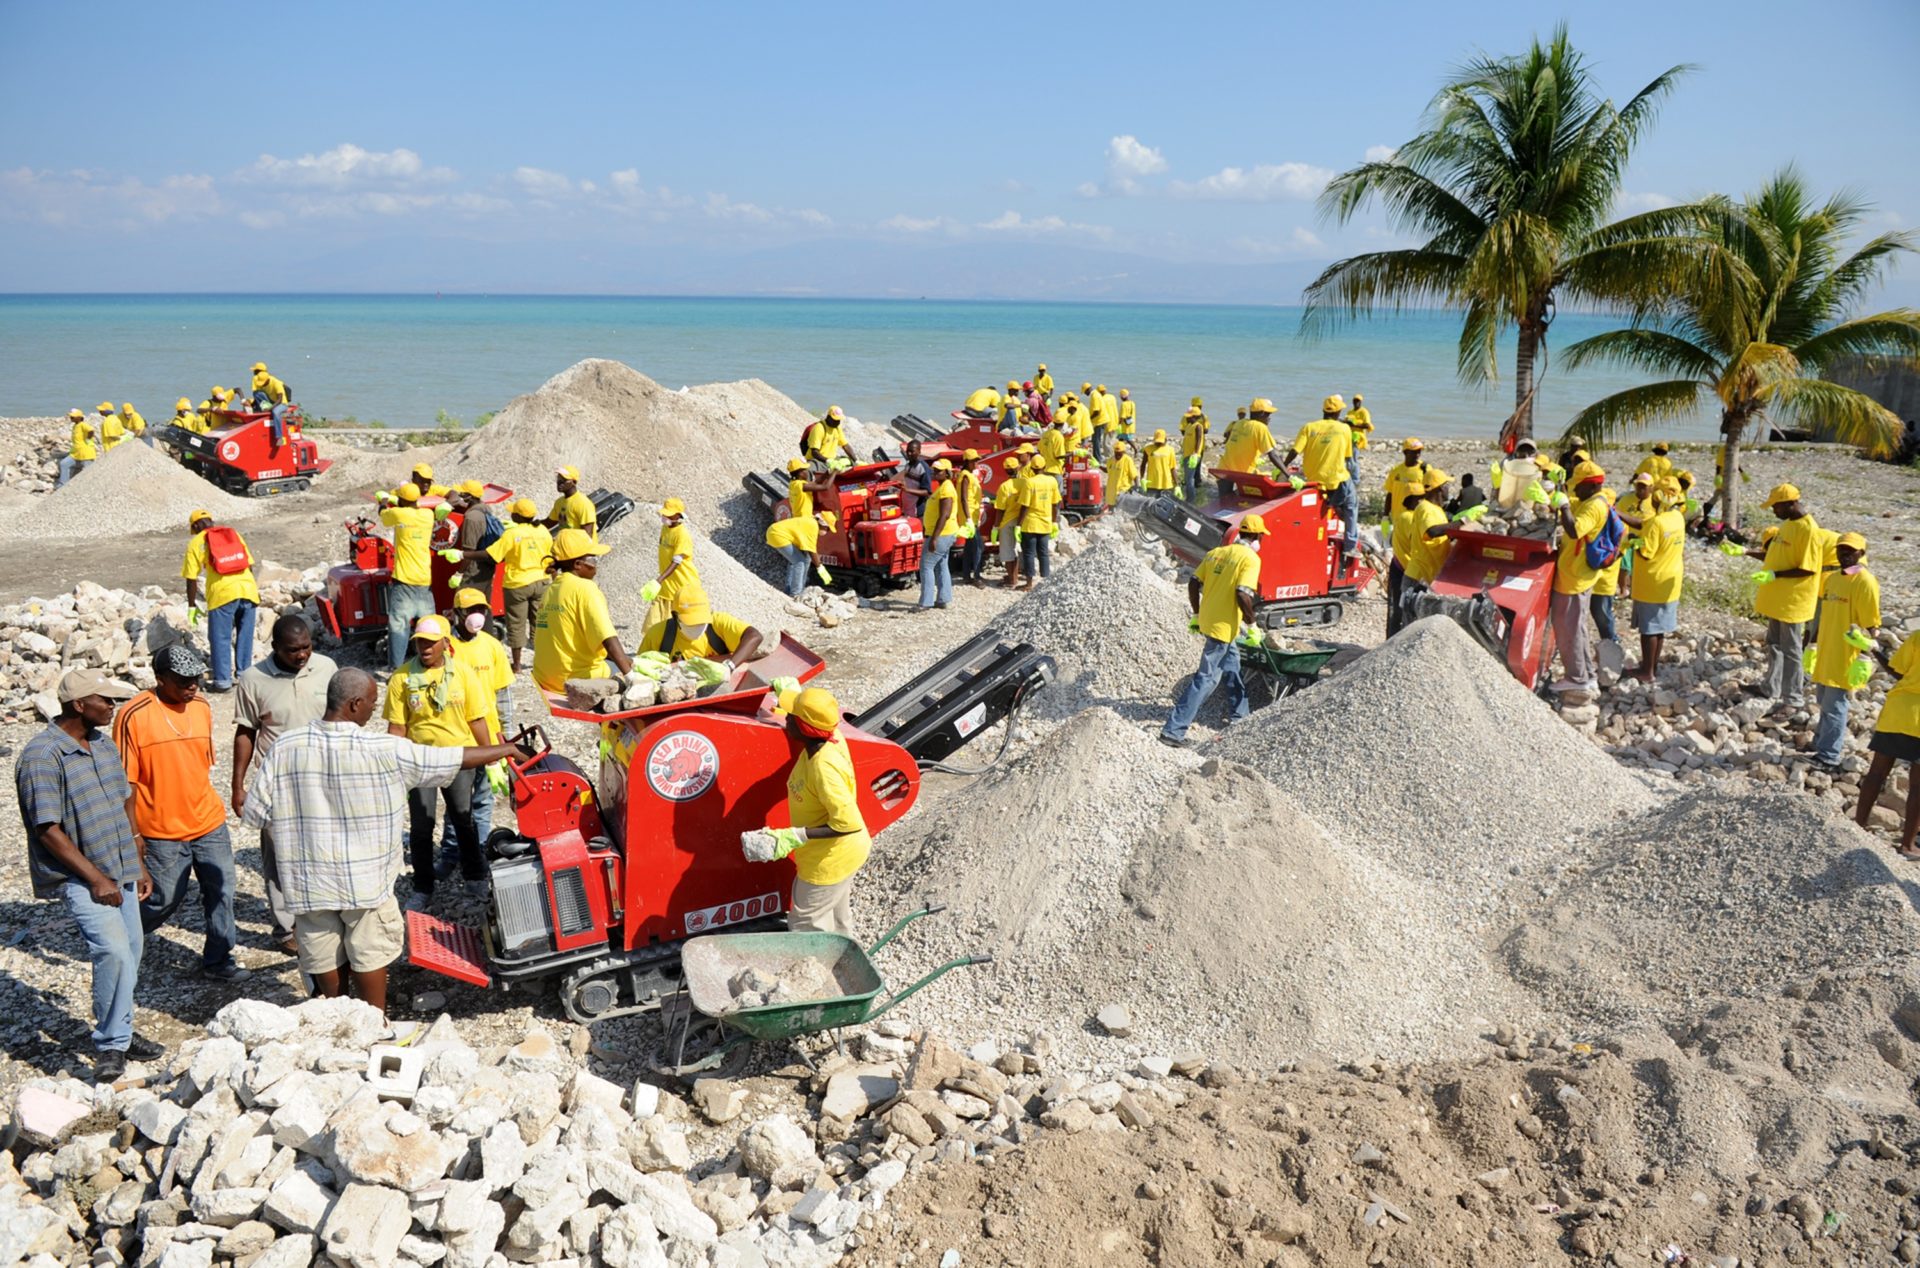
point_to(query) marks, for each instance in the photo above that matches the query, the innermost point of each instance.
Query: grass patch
(1720, 590)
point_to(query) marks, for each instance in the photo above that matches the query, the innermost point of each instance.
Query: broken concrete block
(253, 1022)
(718, 1100)
(394, 1072)
(365, 1226)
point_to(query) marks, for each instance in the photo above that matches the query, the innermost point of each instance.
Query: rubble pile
(826, 608)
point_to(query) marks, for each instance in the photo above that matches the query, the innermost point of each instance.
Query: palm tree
(1765, 315)
(1510, 185)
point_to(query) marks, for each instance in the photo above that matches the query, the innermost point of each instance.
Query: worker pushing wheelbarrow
(740, 988)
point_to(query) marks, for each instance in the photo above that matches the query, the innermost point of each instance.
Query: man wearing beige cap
(83, 850)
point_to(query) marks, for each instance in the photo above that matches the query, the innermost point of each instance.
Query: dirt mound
(634, 561)
(134, 489)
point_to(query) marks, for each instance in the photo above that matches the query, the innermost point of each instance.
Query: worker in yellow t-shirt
(1360, 420)
(1325, 448)
(1896, 738)
(1128, 416)
(1006, 519)
(1582, 517)
(826, 439)
(572, 508)
(434, 699)
(1787, 590)
(1222, 593)
(1849, 618)
(1122, 473)
(522, 551)
(695, 630)
(1193, 451)
(940, 517)
(1656, 464)
(803, 488)
(410, 593)
(82, 447)
(1659, 561)
(826, 836)
(134, 423)
(1042, 381)
(111, 430)
(1040, 498)
(1161, 464)
(1249, 440)
(185, 418)
(982, 403)
(485, 657)
(231, 599)
(1422, 540)
(966, 480)
(573, 633)
(676, 570)
(797, 538)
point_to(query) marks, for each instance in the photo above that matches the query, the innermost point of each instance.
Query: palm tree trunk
(1731, 427)
(1530, 333)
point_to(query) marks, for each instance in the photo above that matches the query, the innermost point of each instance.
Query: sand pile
(1117, 632)
(134, 489)
(1101, 868)
(1725, 892)
(1429, 755)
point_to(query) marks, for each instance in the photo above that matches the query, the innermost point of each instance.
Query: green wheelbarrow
(707, 1029)
(1281, 672)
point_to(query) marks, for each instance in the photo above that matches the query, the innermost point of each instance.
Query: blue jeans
(936, 572)
(1036, 555)
(796, 569)
(230, 634)
(1345, 501)
(973, 556)
(1190, 480)
(210, 858)
(1353, 471)
(1831, 731)
(1218, 661)
(69, 468)
(405, 605)
(278, 425)
(114, 939)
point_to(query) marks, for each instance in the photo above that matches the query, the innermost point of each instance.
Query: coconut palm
(1767, 313)
(1510, 187)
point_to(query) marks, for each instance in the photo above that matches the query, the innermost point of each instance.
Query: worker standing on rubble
(797, 539)
(111, 432)
(940, 518)
(1849, 618)
(1659, 561)
(486, 658)
(135, 423)
(435, 700)
(1582, 517)
(1606, 587)
(220, 554)
(1421, 544)
(410, 593)
(828, 839)
(972, 495)
(1325, 448)
(573, 633)
(1221, 592)
(572, 509)
(1122, 473)
(1128, 423)
(1042, 381)
(522, 550)
(81, 447)
(1896, 738)
(1193, 450)
(1040, 497)
(694, 629)
(1360, 422)
(1105, 416)
(1248, 441)
(1006, 519)
(825, 440)
(675, 557)
(1788, 590)
(1161, 465)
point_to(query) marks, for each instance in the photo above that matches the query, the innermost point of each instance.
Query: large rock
(628, 1239)
(253, 1022)
(365, 1226)
(386, 1144)
(298, 1203)
(773, 1145)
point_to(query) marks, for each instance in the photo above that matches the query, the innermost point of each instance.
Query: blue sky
(1161, 151)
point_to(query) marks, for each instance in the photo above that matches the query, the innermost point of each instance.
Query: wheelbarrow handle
(899, 997)
(930, 910)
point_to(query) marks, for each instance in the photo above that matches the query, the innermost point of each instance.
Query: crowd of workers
(91, 435)
(117, 792)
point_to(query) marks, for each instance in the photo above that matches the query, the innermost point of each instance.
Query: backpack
(226, 553)
(1604, 550)
(491, 533)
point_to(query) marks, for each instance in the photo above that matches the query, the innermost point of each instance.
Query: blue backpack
(491, 533)
(1604, 550)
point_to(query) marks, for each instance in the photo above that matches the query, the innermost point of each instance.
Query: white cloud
(1126, 156)
(1013, 224)
(1268, 182)
(1380, 153)
(1633, 204)
(542, 183)
(345, 166)
(721, 207)
(80, 198)
(1298, 243)
(913, 224)
(1088, 189)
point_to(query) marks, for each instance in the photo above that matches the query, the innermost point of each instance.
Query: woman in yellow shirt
(1659, 554)
(677, 572)
(973, 549)
(1896, 739)
(828, 840)
(434, 699)
(573, 634)
(940, 517)
(1039, 502)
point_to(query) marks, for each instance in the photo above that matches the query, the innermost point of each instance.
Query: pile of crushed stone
(731, 587)
(134, 489)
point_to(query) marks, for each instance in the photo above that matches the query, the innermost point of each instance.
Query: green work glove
(1807, 658)
(1859, 640)
(839, 464)
(1250, 636)
(820, 571)
(709, 672)
(1557, 501)
(383, 497)
(650, 592)
(1536, 494)
(993, 538)
(1693, 506)
(1471, 514)
(1193, 460)
(782, 685)
(499, 780)
(193, 616)
(1386, 527)
(451, 556)
(1858, 672)
(1193, 624)
(1763, 576)
(441, 512)
(1732, 549)
(764, 845)
(606, 750)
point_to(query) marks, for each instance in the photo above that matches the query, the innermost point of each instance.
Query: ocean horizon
(403, 359)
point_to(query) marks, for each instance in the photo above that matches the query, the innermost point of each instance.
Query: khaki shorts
(367, 940)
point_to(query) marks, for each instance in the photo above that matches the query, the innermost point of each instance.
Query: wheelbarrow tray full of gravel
(823, 981)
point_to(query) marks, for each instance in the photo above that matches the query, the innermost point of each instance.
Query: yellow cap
(1587, 472)
(1357, 398)
(1643, 477)
(408, 492)
(106, 407)
(1025, 447)
(1333, 404)
(182, 403)
(834, 412)
(673, 506)
(575, 543)
(1413, 442)
(219, 393)
(1198, 403)
(199, 513)
(1782, 493)
(76, 413)
(1252, 523)
(829, 518)
(796, 464)
(1854, 540)
(1038, 460)
(941, 464)
(690, 606)
(814, 706)
(468, 597)
(1160, 433)
(1011, 464)
(1086, 387)
(1670, 489)
(1123, 391)
(1192, 411)
(1013, 385)
(1260, 405)
(126, 407)
(259, 365)
(1043, 365)
(971, 455)
(423, 470)
(472, 488)
(203, 405)
(568, 473)
(430, 629)
(1436, 479)
(525, 506)
(1685, 479)
(1103, 387)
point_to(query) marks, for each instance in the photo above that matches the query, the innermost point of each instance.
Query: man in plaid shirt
(335, 797)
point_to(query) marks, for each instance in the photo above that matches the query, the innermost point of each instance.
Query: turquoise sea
(403, 358)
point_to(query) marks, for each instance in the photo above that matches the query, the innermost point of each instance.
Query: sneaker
(1173, 742)
(140, 1048)
(419, 902)
(109, 1067)
(477, 886)
(1559, 685)
(228, 972)
(218, 688)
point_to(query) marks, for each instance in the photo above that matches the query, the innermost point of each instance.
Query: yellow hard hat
(1013, 385)
(1587, 472)
(1333, 404)
(105, 407)
(1252, 523)
(834, 412)
(971, 454)
(126, 407)
(829, 518)
(1413, 442)
(1011, 464)
(525, 506)
(468, 597)
(198, 514)
(423, 470)
(575, 543)
(430, 629)
(408, 492)
(796, 464)
(690, 606)
(673, 506)
(472, 488)
(1160, 433)
(1357, 398)
(76, 413)
(815, 706)
(182, 403)
(1855, 540)
(1260, 405)
(1783, 493)
(259, 366)
(568, 473)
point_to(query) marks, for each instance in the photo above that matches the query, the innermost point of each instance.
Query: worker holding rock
(1040, 497)
(486, 658)
(111, 431)
(1421, 543)
(677, 572)
(1849, 618)
(434, 700)
(694, 629)
(1788, 590)
(82, 447)
(1659, 564)
(797, 539)
(1248, 441)
(1582, 517)
(410, 593)
(523, 548)
(1222, 592)
(828, 839)
(572, 508)
(972, 496)
(1193, 450)
(940, 520)
(1006, 519)
(573, 633)
(220, 554)
(1325, 448)
(1896, 738)
(134, 423)
(825, 441)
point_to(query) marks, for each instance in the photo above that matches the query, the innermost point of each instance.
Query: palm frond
(1479, 351)
(1892, 335)
(1853, 278)
(1653, 351)
(1636, 409)
(1839, 414)
(1355, 287)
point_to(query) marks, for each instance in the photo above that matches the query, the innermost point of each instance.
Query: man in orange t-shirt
(165, 738)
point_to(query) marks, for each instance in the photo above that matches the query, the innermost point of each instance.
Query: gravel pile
(1428, 755)
(134, 489)
(1117, 633)
(1727, 891)
(635, 560)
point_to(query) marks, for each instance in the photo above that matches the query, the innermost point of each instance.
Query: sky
(1160, 152)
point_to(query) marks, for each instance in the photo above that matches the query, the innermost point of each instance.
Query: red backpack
(226, 553)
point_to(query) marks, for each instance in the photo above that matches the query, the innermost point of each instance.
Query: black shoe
(228, 972)
(109, 1067)
(1170, 742)
(140, 1048)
